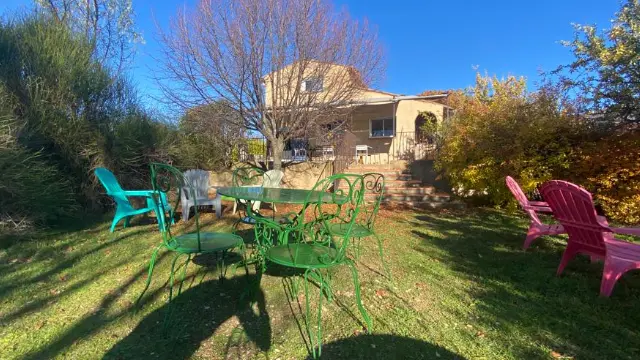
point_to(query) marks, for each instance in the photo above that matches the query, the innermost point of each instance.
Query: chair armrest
(143, 193)
(627, 231)
(542, 209)
(538, 204)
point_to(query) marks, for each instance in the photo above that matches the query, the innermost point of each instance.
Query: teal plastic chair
(169, 180)
(124, 209)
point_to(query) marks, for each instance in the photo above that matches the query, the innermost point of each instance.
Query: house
(379, 127)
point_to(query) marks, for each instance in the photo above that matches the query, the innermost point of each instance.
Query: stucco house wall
(401, 145)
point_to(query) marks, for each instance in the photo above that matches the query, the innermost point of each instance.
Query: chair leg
(357, 248)
(171, 275)
(315, 341)
(532, 234)
(610, 275)
(186, 210)
(220, 266)
(169, 310)
(235, 207)
(114, 223)
(218, 206)
(150, 272)
(184, 272)
(569, 253)
(381, 252)
(356, 284)
(126, 221)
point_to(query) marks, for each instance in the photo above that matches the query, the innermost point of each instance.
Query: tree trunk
(277, 146)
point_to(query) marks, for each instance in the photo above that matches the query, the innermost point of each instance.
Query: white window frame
(393, 127)
(303, 85)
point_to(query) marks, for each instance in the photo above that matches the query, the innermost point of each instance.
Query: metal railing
(342, 150)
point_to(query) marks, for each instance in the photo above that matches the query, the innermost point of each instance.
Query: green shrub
(500, 129)
(30, 188)
(73, 115)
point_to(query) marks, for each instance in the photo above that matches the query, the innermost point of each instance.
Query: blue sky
(430, 44)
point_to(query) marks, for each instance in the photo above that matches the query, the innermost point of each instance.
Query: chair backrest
(573, 207)
(112, 186)
(374, 192)
(247, 176)
(272, 178)
(170, 181)
(345, 205)
(199, 180)
(517, 192)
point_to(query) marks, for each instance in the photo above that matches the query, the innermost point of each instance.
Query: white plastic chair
(270, 179)
(199, 181)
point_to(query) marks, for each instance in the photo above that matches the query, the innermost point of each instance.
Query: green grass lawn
(462, 288)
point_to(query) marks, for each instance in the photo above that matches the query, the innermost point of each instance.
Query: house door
(425, 126)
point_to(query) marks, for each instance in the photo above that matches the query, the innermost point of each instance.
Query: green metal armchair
(312, 247)
(364, 226)
(169, 180)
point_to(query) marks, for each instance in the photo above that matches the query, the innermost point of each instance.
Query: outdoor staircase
(401, 189)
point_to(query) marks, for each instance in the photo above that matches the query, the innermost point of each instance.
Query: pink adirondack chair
(537, 228)
(589, 233)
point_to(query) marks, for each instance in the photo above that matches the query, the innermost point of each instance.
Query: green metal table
(276, 195)
(270, 231)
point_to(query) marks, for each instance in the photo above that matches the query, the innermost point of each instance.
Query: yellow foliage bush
(500, 129)
(610, 169)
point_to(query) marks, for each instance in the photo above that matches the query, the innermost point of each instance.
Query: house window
(313, 84)
(381, 127)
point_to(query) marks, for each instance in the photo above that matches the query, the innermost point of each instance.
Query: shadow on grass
(197, 314)
(63, 265)
(517, 291)
(384, 347)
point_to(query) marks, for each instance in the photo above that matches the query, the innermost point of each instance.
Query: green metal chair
(169, 180)
(313, 248)
(124, 209)
(364, 226)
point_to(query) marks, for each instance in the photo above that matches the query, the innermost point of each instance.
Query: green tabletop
(277, 195)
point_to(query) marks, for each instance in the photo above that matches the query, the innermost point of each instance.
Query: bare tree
(107, 24)
(283, 66)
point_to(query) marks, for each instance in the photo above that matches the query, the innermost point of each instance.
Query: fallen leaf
(421, 285)
(381, 293)
(480, 334)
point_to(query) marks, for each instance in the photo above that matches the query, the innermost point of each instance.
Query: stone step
(417, 197)
(425, 190)
(395, 183)
(385, 172)
(427, 204)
